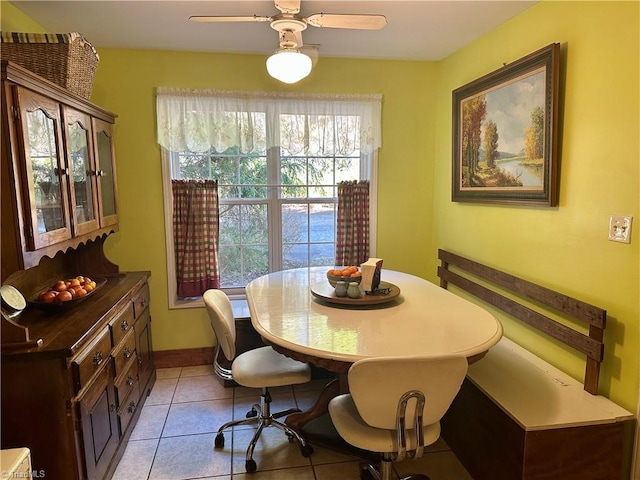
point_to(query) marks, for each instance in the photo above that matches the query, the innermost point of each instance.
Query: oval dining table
(296, 313)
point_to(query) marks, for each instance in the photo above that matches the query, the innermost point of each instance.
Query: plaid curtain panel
(352, 241)
(195, 235)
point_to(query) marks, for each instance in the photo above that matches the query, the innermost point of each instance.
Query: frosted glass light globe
(289, 66)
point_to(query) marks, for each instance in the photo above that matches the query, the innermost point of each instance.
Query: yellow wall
(564, 248)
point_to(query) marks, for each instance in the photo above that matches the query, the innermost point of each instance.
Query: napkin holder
(371, 274)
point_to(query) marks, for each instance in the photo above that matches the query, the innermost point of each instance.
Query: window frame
(368, 168)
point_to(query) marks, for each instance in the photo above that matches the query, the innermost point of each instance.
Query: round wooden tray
(326, 292)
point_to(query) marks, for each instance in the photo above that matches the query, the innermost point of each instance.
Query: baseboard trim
(185, 357)
(190, 357)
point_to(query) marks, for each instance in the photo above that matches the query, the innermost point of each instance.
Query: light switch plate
(620, 228)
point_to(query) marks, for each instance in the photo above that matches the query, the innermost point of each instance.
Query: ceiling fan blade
(341, 20)
(223, 19)
(288, 6)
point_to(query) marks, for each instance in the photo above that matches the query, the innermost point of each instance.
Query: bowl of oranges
(64, 294)
(344, 274)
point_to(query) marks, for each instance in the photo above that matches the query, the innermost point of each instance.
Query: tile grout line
(153, 460)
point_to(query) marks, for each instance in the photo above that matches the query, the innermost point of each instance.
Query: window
(277, 202)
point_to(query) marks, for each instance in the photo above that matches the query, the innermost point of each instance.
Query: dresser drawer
(126, 382)
(121, 325)
(141, 301)
(91, 358)
(124, 352)
(128, 408)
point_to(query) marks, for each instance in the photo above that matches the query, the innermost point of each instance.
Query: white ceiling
(416, 29)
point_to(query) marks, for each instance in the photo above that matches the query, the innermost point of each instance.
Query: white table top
(424, 320)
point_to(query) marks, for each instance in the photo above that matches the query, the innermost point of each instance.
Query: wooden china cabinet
(74, 377)
(58, 170)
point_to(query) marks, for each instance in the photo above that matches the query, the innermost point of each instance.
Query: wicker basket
(66, 59)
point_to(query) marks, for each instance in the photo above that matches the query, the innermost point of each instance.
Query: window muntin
(296, 210)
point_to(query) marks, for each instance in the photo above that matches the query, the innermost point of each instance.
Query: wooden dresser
(74, 397)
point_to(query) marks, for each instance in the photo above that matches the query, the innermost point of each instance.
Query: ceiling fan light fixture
(289, 65)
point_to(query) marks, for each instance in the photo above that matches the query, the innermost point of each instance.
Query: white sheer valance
(201, 120)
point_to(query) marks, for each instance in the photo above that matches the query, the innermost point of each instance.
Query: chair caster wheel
(250, 466)
(219, 441)
(306, 450)
(251, 413)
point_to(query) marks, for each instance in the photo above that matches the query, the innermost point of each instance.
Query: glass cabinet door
(82, 171)
(47, 175)
(105, 171)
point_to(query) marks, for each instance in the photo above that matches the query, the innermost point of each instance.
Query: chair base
(262, 417)
(384, 471)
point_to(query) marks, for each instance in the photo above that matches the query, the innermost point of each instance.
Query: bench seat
(516, 416)
(535, 394)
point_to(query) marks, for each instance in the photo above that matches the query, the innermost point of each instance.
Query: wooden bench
(517, 417)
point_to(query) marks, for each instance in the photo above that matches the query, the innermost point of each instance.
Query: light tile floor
(173, 439)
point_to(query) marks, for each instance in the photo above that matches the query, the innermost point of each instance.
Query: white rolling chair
(258, 368)
(395, 405)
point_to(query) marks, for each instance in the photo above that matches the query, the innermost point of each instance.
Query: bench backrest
(466, 271)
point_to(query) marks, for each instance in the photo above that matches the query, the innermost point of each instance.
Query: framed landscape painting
(505, 133)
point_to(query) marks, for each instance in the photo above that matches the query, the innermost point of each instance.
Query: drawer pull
(127, 352)
(97, 359)
(132, 407)
(124, 325)
(112, 407)
(143, 302)
(130, 380)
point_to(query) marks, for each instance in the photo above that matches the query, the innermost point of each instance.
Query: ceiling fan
(288, 64)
